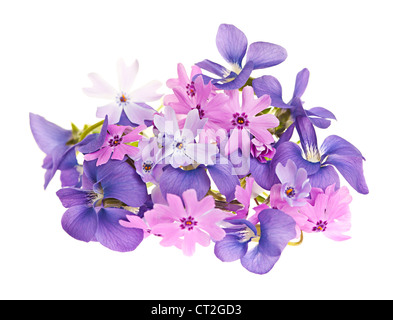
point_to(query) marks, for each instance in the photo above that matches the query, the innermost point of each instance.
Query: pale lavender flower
(180, 148)
(295, 185)
(132, 102)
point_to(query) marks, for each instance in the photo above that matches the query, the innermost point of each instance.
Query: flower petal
(114, 236)
(277, 229)
(325, 177)
(193, 123)
(47, 134)
(301, 82)
(213, 67)
(139, 112)
(259, 126)
(147, 93)
(120, 181)
(263, 173)
(286, 174)
(124, 149)
(176, 181)
(239, 80)
(208, 222)
(80, 222)
(127, 74)
(112, 110)
(291, 151)
(71, 197)
(95, 141)
(202, 153)
(320, 112)
(224, 177)
(231, 43)
(265, 54)
(271, 86)
(308, 136)
(100, 88)
(347, 159)
(230, 248)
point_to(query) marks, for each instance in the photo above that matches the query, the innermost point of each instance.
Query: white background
(49, 47)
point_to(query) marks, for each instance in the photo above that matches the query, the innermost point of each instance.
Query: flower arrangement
(215, 163)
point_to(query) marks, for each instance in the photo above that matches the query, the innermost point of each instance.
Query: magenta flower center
(240, 120)
(320, 226)
(191, 89)
(201, 112)
(115, 141)
(188, 223)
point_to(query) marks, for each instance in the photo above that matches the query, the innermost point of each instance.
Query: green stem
(90, 129)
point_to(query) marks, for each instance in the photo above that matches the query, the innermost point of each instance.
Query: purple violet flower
(52, 140)
(335, 152)
(270, 85)
(276, 230)
(88, 219)
(232, 45)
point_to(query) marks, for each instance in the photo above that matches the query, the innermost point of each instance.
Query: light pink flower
(243, 195)
(146, 223)
(199, 96)
(241, 119)
(183, 81)
(183, 227)
(115, 146)
(329, 214)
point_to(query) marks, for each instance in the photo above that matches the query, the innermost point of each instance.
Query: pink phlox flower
(125, 98)
(243, 195)
(202, 97)
(329, 214)
(197, 222)
(261, 150)
(241, 119)
(115, 145)
(183, 81)
(146, 223)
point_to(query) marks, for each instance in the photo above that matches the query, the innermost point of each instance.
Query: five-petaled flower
(131, 102)
(183, 227)
(233, 45)
(115, 145)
